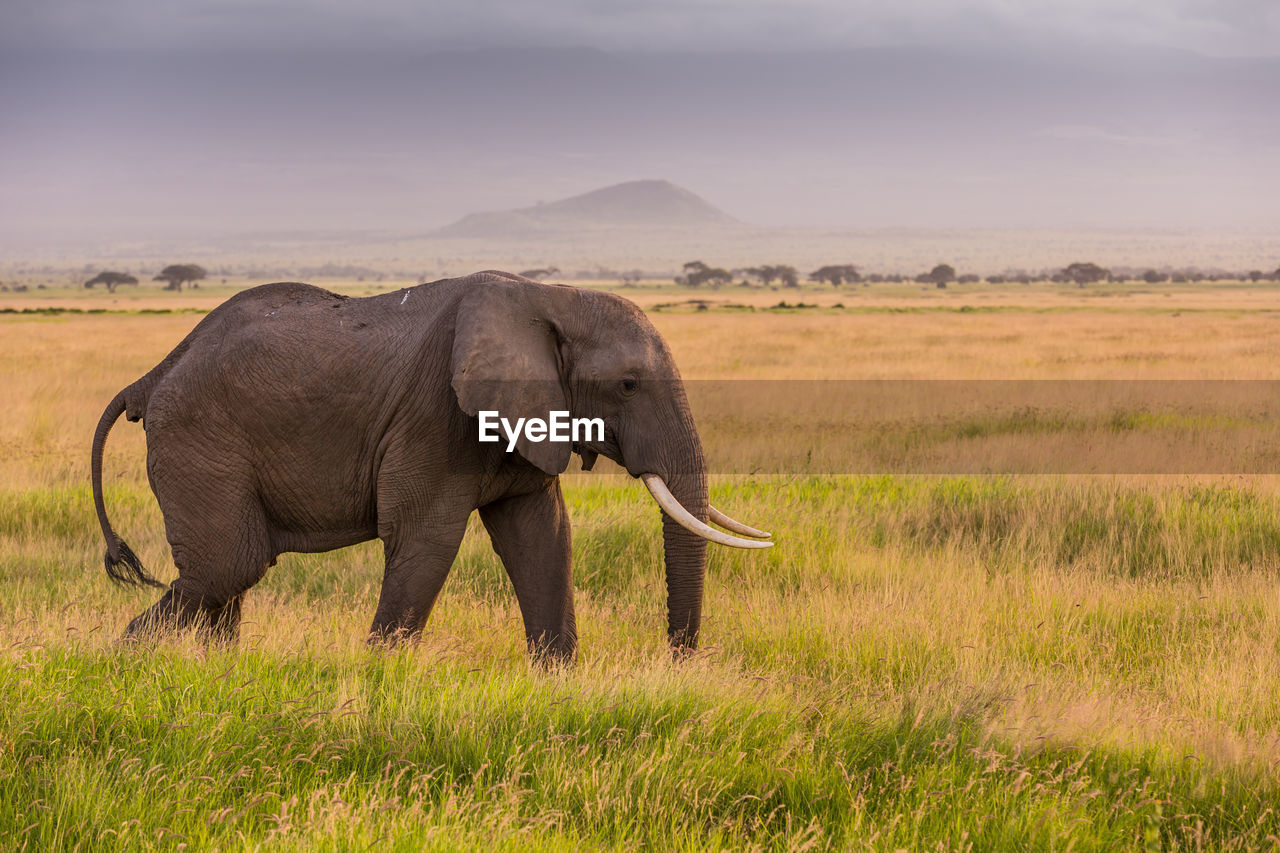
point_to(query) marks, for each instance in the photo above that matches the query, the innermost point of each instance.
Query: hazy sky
(1218, 27)
(133, 119)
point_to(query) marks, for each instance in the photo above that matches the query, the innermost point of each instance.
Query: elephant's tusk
(685, 519)
(736, 526)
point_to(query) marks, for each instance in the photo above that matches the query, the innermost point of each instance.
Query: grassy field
(985, 662)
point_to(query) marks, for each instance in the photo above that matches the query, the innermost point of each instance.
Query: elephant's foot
(176, 612)
(391, 636)
(551, 651)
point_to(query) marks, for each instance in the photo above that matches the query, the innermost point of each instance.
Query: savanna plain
(922, 662)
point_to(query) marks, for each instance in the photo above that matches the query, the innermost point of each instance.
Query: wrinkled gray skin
(295, 419)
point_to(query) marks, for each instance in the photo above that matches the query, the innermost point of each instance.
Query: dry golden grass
(1037, 334)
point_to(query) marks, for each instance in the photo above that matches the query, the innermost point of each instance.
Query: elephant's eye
(630, 385)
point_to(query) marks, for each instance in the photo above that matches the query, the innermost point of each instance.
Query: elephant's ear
(507, 358)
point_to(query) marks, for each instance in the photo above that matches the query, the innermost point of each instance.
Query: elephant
(294, 419)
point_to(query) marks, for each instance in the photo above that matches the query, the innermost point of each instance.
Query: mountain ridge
(641, 204)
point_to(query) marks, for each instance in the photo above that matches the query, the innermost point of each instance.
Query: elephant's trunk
(684, 536)
(675, 472)
(686, 558)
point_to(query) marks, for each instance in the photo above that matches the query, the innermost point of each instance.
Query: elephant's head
(525, 349)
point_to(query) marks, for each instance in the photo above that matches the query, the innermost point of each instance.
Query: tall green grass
(920, 662)
(355, 750)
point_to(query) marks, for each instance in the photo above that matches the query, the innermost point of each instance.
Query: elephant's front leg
(531, 534)
(418, 559)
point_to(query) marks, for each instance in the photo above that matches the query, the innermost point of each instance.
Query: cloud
(1209, 26)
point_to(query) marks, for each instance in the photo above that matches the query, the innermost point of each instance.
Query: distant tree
(1255, 275)
(967, 278)
(111, 279)
(767, 274)
(631, 278)
(1153, 277)
(1275, 276)
(941, 275)
(696, 274)
(995, 279)
(540, 273)
(692, 268)
(836, 274)
(718, 277)
(1084, 273)
(832, 275)
(179, 274)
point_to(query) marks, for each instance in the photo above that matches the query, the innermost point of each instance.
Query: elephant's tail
(123, 566)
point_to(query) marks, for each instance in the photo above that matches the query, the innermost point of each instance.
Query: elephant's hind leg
(219, 556)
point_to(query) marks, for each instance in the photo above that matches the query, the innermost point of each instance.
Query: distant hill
(645, 205)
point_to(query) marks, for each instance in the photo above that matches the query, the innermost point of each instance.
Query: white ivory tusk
(685, 519)
(728, 523)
